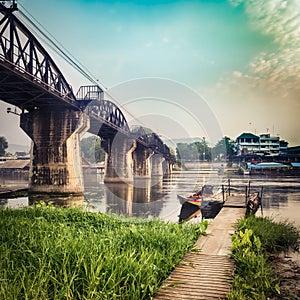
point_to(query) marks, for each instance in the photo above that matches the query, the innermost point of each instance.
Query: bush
(256, 239)
(276, 237)
(253, 278)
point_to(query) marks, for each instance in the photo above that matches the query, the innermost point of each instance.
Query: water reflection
(281, 195)
(158, 198)
(142, 198)
(14, 203)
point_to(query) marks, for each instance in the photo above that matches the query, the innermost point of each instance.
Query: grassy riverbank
(255, 247)
(55, 253)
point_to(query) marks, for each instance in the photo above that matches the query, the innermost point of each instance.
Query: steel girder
(29, 77)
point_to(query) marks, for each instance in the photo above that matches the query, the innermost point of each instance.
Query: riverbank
(9, 189)
(288, 268)
(262, 272)
(285, 266)
(56, 253)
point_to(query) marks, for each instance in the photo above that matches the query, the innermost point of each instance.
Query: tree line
(223, 150)
(93, 152)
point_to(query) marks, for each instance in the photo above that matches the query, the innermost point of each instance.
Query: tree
(204, 151)
(194, 151)
(3, 145)
(224, 149)
(91, 149)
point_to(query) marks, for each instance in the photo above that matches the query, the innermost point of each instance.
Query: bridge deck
(206, 274)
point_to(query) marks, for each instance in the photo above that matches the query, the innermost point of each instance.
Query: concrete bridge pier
(168, 167)
(142, 162)
(118, 161)
(157, 165)
(55, 154)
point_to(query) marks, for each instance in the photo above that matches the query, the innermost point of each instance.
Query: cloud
(277, 69)
(278, 18)
(267, 88)
(235, 2)
(281, 70)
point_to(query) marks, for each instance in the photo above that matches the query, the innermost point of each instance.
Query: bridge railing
(89, 93)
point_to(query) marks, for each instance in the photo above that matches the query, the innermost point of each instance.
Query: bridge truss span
(107, 117)
(29, 77)
(151, 140)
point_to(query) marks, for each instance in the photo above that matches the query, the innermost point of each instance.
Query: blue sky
(241, 56)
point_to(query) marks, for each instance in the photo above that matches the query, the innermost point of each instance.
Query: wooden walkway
(206, 274)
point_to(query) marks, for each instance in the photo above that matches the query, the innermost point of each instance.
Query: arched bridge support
(142, 162)
(55, 155)
(119, 163)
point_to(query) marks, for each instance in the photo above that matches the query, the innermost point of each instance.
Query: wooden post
(261, 206)
(246, 195)
(248, 187)
(229, 186)
(223, 193)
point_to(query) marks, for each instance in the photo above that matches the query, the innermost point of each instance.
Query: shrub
(256, 239)
(275, 237)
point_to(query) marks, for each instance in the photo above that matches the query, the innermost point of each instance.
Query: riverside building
(263, 144)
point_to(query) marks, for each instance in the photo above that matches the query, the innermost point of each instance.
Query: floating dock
(206, 272)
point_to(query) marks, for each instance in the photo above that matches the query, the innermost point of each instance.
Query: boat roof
(296, 164)
(269, 165)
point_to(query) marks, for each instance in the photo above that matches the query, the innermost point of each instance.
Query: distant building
(247, 143)
(15, 167)
(293, 151)
(22, 155)
(264, 144)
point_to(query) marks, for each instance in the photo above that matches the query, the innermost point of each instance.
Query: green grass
(255, 241)
(276, 237)
(55, 253)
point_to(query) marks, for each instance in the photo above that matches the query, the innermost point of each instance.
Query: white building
(264, 144)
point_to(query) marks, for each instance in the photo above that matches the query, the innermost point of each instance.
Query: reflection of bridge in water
(55, 118)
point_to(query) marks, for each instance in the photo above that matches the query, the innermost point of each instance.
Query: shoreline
(8, 189)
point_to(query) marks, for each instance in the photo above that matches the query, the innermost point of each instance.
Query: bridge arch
(108, 112)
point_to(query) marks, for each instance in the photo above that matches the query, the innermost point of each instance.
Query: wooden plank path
(206, 273)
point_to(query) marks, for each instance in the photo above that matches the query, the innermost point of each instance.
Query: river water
(157, 197)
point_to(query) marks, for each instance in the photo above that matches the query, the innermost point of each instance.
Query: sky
(183, 68)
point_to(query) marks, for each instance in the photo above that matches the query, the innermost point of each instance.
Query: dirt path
(288, 268)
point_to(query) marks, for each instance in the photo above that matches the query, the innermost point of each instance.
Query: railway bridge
(55, 118)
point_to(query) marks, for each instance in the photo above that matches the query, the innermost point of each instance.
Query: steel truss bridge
(31, 80)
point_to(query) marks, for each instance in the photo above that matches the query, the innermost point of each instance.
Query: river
(157, 197)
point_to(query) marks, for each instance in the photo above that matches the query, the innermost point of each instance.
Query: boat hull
(192, 200)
